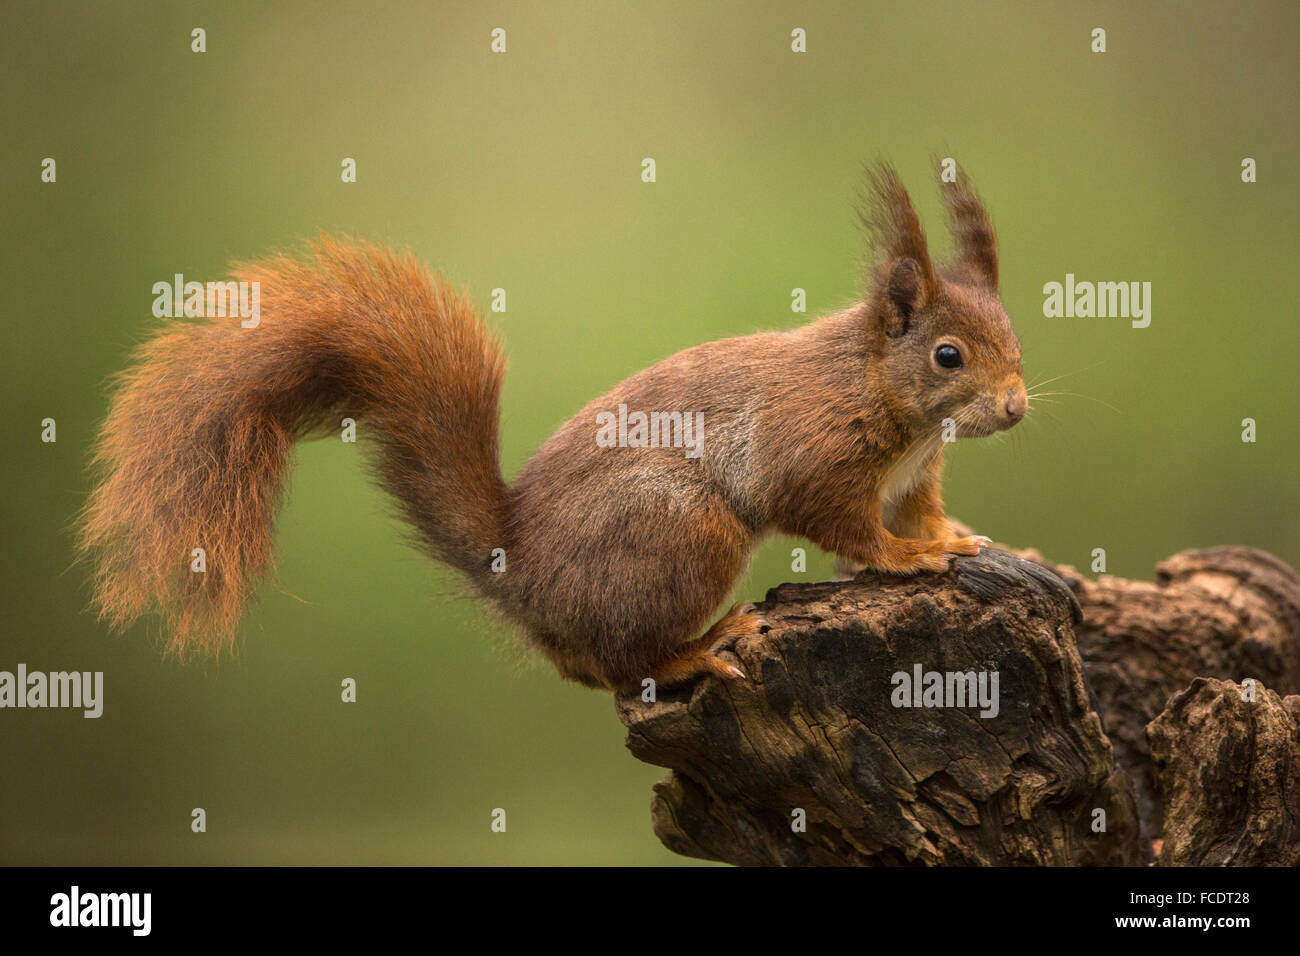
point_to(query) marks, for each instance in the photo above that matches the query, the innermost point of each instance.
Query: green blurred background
(522, 171)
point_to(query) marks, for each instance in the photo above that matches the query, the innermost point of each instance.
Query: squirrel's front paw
(938, 556)
(968, 545)
(911, 556)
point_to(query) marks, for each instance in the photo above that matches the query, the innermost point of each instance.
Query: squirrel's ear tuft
(897, 240)
(892, 224)
(976, 244)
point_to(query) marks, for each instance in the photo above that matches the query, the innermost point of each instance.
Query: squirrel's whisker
(1040, 384)
(1047, 395)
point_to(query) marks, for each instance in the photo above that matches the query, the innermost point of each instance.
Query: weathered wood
(1229, 612)
(815, 728)
(1228, 768)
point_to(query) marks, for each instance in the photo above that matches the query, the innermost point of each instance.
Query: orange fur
(199, 437)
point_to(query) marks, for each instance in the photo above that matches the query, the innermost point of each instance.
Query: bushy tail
(199, 437)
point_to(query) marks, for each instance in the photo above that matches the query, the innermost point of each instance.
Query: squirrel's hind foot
(743, 620)
(701, 655)
(683, 668)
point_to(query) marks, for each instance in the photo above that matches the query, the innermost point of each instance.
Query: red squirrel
(615, 558)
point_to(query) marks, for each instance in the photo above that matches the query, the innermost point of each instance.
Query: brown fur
(616, 557)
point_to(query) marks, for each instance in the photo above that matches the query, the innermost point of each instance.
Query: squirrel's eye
(948, 356)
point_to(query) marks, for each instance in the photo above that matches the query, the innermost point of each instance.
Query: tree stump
(1229, 769)
(861, 737)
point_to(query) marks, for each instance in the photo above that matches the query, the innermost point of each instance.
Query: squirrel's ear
(905, 292)
(897, 239)
(975, 242)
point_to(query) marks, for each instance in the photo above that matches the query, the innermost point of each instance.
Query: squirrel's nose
(1017, 404)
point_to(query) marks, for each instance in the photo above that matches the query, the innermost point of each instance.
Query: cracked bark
(1230, 771)
(810, 761)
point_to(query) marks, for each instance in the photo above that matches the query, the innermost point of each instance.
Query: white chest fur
(903, 475)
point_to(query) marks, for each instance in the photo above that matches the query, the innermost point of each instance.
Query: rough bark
(815, 735)
(1227, 761)
(1229, 612)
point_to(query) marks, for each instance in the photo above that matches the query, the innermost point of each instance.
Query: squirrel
(617, 558)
